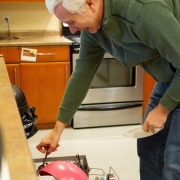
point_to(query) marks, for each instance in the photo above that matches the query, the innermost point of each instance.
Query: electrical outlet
(6, 20)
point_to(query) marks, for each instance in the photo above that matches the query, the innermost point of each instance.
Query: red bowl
(64, 170)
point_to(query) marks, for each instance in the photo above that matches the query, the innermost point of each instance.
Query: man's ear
(91, 4)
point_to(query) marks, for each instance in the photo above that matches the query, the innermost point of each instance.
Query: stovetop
(73, 37)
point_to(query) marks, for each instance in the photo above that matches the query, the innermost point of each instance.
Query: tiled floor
(103, 147)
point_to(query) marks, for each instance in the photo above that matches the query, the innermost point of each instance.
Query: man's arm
(156, 118)
(51, 141)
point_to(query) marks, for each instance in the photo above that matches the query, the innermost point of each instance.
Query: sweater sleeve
(158, 26)
(87, 64)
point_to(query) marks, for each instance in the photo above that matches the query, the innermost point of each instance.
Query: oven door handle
(106, 107)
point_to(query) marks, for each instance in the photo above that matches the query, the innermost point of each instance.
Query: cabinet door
(44, 85)
(14, 73)
(148, 86)
(11, 54)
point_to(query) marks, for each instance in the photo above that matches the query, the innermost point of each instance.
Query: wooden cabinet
(148, 86)
(21, 1)
(11, 56)
(44, 85)
(51, 53)
(43, 82)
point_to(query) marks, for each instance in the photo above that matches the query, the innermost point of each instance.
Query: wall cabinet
(44, 81)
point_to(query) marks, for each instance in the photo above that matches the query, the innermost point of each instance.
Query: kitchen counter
(36, 41)
(15, 146)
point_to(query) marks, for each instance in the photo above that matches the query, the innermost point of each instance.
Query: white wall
(28, 16)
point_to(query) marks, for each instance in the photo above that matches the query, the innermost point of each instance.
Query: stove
(122, 109)
(73, 37)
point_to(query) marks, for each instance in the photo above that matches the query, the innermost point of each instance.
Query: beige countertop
(15, 145)
(36, 41)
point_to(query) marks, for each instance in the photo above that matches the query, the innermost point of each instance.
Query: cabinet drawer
(11, 54)
(51, 53)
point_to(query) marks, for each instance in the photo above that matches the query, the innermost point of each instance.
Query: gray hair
(73, 6)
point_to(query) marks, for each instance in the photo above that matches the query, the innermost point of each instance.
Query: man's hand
(50, 142)
(156, 118)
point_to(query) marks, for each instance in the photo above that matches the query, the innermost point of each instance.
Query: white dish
(137, 132)
(46, 178)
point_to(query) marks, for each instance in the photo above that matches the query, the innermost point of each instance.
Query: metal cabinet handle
(15, 76)
(107, 107)
(66, 75)
(43, 54)
(76, 49)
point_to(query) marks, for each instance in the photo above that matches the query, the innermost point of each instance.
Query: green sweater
(136, 32)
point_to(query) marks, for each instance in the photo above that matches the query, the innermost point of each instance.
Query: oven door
(114, 98)
(114, 83)
(114, 114)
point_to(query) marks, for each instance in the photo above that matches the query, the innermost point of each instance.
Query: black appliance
(75, 38)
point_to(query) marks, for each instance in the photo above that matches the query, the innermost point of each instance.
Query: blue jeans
(160, 154)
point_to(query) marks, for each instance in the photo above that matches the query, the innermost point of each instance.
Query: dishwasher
(81, 162)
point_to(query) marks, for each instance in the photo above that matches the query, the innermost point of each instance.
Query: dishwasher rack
(81, 162)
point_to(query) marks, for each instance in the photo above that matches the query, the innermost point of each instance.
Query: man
(136, 32)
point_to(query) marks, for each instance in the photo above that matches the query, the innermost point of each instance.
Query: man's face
(78, 22)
